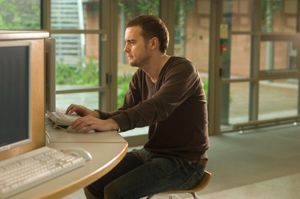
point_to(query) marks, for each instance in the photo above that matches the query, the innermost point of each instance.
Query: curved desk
(107, 150)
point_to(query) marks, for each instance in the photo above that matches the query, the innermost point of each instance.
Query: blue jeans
(142, 173)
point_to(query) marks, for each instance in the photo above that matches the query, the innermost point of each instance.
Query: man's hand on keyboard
(81, 110)
(88, 123)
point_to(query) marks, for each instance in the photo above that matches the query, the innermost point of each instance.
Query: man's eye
(131, 42)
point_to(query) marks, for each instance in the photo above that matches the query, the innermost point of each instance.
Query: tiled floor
(286, 187)
(259, 164)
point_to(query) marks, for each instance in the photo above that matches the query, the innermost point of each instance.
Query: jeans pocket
(196, 173)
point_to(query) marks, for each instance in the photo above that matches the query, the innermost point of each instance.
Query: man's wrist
(114, 125)
(96, 113)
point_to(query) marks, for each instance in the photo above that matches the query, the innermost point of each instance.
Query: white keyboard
(29, 169)
(60, 118)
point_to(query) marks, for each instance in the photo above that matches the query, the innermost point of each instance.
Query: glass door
(235, 53)
(258, 64)
(279, 64)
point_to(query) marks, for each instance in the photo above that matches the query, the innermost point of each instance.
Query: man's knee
(110, 191)
(89, 194)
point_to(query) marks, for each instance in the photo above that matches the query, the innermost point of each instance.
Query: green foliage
(205, 86)
(268, 8)
(187, 5)
(80, 74)
(274, 4)
(137, 7)
(16, 14)
(123, 84)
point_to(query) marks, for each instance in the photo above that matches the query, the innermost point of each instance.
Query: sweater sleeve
(132, 98)
(174, 87)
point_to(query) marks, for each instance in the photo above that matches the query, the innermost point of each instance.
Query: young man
(165, 94)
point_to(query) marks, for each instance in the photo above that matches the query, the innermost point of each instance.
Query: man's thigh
(155, 175)
(128, 163)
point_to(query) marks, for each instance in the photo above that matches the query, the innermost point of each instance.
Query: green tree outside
(16, 14)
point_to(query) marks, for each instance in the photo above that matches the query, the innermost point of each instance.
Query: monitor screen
(15, 123)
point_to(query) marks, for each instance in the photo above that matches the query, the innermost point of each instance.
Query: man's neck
(155, 65)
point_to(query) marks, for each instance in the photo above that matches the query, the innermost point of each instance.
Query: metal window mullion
(113, 54)
(240, 32)
(237, 80)
(167, 14)
(81, 90)
(255, 56)
(108, 52)
(284, 74)
(102, 55)
(214, 66)
(298, 17)
(298, 64)
(75, 31)
(298, 51)
(46, 9)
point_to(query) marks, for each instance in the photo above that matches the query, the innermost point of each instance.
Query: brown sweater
(174, 108)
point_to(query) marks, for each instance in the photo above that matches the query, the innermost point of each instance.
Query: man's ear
(154, 43)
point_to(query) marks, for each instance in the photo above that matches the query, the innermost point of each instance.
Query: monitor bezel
(28, 140)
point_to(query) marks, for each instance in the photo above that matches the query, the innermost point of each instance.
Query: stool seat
(202, 184)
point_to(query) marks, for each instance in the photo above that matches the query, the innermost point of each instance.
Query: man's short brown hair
(152, 26)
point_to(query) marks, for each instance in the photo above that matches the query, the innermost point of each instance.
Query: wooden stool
(203, 183)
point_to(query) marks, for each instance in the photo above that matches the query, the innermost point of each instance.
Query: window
(75, 27)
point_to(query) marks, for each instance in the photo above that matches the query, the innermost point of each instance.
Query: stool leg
(175, 196)
(194, 195)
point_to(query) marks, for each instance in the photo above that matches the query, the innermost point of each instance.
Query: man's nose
(125, 48)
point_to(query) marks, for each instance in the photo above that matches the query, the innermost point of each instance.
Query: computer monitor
(22, 92)
(15, 89)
